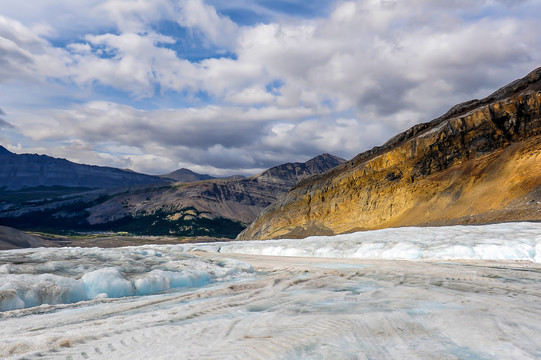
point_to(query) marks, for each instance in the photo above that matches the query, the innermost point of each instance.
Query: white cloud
(201, 136)
(132, 16)
(251, 96)
(342, 83)
(218, 30)
(130, 62)
(24, 55)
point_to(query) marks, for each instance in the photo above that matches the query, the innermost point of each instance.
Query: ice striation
(34, 277)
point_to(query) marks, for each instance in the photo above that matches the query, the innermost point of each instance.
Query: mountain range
(211, 207)
(478, 163)
(19, 171)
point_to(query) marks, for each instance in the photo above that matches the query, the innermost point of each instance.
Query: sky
(237, 86)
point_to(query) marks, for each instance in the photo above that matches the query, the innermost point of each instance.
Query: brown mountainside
(478, 163)
(235, 199)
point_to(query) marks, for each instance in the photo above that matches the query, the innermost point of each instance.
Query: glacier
(504, 241)
(451, 292)
(33, 277)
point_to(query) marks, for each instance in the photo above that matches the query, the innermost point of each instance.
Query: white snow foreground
(290, 308)
(507, 241)
(34, 277)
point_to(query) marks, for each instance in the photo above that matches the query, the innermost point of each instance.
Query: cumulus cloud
(134, 16)
(219, 137)
(219, 30)
(382, 59)
(282, 89)
(25, 55)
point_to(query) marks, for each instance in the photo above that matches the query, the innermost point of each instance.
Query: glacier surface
(505, 241)
(33, 277)
(343, 297)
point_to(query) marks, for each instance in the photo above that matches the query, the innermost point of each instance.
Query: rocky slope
(478, 163)
(32, 170)
(15, 239)
(218, 207)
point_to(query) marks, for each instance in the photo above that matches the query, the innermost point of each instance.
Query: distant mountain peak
(327, 159)
(292, 173)
(186, 175)
(19, 171)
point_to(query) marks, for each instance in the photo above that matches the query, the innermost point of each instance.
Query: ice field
(466, 292)
(509, 241)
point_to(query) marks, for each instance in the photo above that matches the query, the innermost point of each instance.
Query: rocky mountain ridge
(480, 162)
(290, 174)
(18, 171)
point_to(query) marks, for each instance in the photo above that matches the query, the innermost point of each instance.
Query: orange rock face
(478, 163)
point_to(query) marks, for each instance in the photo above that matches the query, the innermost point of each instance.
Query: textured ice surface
(302, 308)
(33, 277)
(58, 276)
(509, 241)
(294, 308)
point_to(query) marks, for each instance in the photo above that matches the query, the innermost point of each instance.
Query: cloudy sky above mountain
(233, 87)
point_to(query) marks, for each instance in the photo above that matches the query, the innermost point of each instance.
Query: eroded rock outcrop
(478, 163)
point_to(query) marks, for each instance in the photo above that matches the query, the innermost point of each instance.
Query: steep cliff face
(478, 163)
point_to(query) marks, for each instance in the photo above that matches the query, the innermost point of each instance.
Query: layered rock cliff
(480, 162)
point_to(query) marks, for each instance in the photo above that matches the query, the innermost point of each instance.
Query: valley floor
(302, 308)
